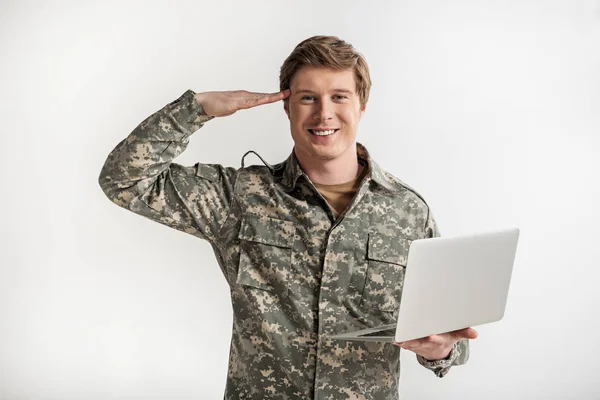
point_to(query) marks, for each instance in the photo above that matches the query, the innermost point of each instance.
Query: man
(311, 247)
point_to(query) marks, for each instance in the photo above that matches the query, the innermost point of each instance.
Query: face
(324, 111)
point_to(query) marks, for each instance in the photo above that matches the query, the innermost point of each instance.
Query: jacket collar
(292, 170)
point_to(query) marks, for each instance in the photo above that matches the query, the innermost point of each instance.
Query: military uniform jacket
(296, 274)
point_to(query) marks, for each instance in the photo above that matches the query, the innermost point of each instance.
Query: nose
(323, 111)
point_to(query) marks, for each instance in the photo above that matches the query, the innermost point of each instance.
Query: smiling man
(311, 247)
(324, 110)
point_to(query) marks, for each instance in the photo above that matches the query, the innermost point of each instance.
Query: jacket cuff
(188, 112)
(441, 367)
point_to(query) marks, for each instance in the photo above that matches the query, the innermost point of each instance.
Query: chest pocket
(386, 259)
(265, 253)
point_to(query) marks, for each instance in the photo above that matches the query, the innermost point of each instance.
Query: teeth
(323, 133)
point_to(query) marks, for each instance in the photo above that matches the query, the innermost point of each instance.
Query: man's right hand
(222, 104)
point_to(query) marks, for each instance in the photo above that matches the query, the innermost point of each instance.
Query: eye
(307, 98)
(340, 97)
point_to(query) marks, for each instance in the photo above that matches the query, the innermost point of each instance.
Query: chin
(322, 152)
(325, 154)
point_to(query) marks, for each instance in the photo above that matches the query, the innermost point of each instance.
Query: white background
(489, 109)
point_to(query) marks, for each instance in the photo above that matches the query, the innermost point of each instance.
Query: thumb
(467, 333)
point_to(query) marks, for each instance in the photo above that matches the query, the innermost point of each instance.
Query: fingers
(258, 99)
(437, 340)
(412, 344)
(409, 345)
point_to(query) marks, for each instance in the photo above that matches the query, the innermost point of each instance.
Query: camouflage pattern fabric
(296, 274)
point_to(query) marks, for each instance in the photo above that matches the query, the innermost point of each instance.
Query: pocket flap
(208, 172)
(267, 230)
(388, 249)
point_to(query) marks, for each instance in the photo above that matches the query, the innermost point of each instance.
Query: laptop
(450, 283)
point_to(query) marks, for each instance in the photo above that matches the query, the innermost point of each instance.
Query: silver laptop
(450, 283)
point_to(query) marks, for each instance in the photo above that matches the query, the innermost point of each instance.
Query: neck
(339, 170)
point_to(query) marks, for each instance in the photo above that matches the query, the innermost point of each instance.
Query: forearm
(138, 160)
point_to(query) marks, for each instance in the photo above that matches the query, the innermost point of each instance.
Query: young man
(311, 247)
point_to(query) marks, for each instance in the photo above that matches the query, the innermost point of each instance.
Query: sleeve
(140, 175)
(460, 351)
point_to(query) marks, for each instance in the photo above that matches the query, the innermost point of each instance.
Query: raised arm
(140, 175)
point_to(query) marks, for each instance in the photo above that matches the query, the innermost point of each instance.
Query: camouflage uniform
(296, 274)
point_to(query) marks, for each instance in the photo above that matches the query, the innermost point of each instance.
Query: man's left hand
(437, 347)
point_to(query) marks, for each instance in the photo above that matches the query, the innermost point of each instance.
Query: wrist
(440, 364)
(442, 356)
(199, 97)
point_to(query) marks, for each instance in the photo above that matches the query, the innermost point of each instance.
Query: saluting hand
(437, 347)
(221, 104)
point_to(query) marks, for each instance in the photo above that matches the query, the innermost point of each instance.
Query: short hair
(327, 51)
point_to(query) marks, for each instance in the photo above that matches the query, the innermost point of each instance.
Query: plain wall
(491, 110)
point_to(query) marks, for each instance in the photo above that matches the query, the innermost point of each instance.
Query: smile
(323, 133)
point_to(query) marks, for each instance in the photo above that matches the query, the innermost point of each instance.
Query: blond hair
(327, 51)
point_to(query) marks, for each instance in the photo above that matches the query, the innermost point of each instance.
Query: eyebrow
(334, 90)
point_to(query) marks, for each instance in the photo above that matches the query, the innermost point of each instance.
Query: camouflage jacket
(296, 274)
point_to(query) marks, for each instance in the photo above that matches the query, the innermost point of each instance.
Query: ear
(362, 110)
(286, 107)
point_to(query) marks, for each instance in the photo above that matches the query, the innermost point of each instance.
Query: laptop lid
(451, 283)
(456, 282)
